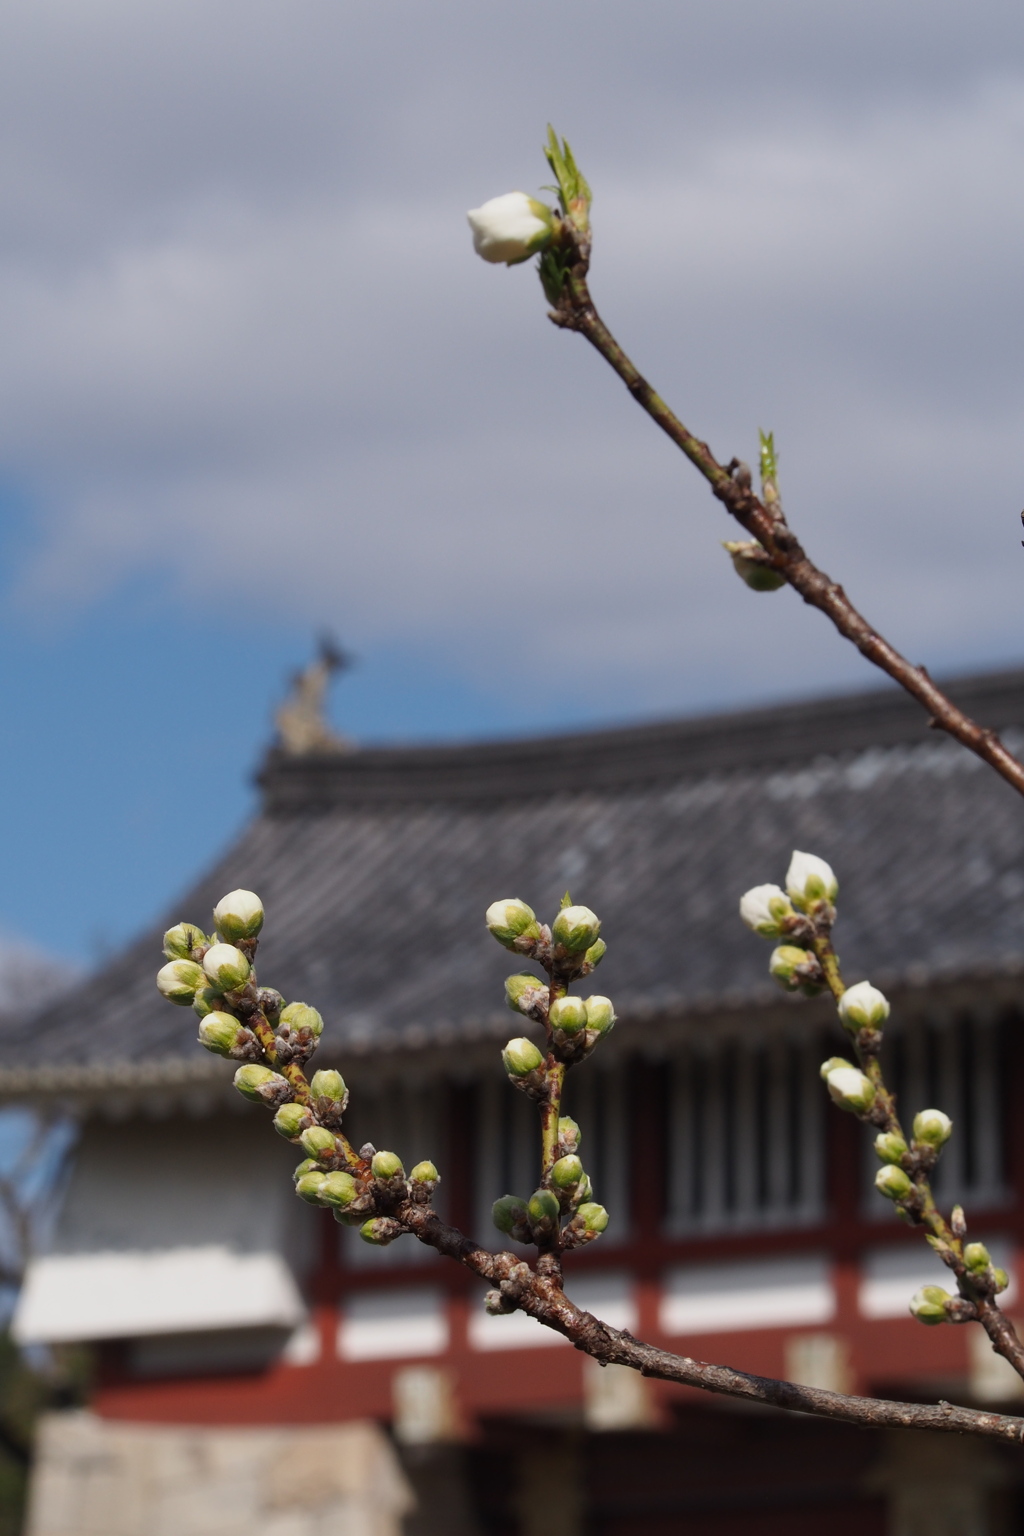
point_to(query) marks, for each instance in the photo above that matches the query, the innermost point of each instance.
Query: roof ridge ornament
(302, 726)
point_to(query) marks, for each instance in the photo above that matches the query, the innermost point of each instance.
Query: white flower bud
(226, 967)
(510, 228)
(222, 1033)
(181, 940)
(238, 915)
(521, 1057)
(810, 879)
(576, 929)
(763, 908)
(511, 919)
(893, 1182)
(928, 1304)
(863, 1007)
(850, 1089)
(890, 1147)
(178, 981)
(794, 969)
(569, 1014)
(834, 1062)
(932, 1127)
(600, 1015)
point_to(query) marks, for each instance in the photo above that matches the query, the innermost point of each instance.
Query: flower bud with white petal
(753, 564)
(850, 1089)
(893, 1182)
(834, 1062)
(226, 967)
(510, 228)
(238, 915)
(764, 908)
(178, 981)
(182, 939)
(298, 1017)
(601, 1015)
(595, 954)
(890, 1147)
(511, 920)
(223, 1034)
(568, 1014)
(576, 929)
(928, 1304)
(795, 969)
(863, 1007)
(521, 1057)
(809, 880)
(932, 1127)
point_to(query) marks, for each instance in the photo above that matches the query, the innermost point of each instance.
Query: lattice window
(745, 1135)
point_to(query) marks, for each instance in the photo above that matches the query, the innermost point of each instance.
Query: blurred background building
(259, 1369)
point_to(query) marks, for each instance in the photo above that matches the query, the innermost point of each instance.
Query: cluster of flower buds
(792, 915)
(569, 948)
(932, 1129)
(564, 1208)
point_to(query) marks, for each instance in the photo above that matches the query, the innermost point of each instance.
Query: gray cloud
(246, 341)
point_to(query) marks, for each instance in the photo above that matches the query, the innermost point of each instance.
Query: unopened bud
(424, 1173)
(509, 1212)
(834, 1062)
(569, 1136)
(809, 880)
(600, 1015)
(510, 228)
(226, 967)
(890, 1147)
(338, 1189)
(521, 1057)
(238, 915)
(319, 1142)
(850, 1089)
(270, 1003)
(308, 1165)
(299, 1016)
(592, 1217)
(511, 919)
(309, 1185)
(291, 1120)
(928, 1304)
(863, 1007)
(328, 1094)
(576, 929)
(764, 908)
(932, 1127)
(543, 1206)
(596, 953)
(181, 940)
(207, 999)
(379, 1231)
(386, 1165)
(178, 980)
(893, 1182)
(222, 1033)
(795, 969)
(1001, 1279)
(523, 992)
(977, 1256)
(567, 1172)
(263, 1086)
(569, 1014)
(752, 564)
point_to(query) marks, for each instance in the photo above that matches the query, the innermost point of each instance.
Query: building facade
(238, 1330)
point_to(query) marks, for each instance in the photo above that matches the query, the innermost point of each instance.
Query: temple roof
(375, 868)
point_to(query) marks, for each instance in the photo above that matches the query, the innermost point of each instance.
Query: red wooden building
(745, 1228)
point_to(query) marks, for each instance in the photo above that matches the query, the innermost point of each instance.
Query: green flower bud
(386, 1165)
(834, 1062)
(178, 980)
(569, 1014)
(509, 1212)
(261, 1085)
(297, 1016)
(863, 1007)
(308, 1165)
(809, 880)
(932, 1127)
(600, 1015)
(222, 1033)
(783, 964)
(328, 1094)
(424, 1173)
(379, 1231)
(181, 940)
(238, 915)
(319, 1142)
(576, 929)
(569, 1135)
(752, 564)
(226, 967)
(521, 1057)
(928, 1304)
(523, 992)
(594, 1218)
(595, 954)
(206, 1000)
(850, 1089)
(1001, 1278)
(567, 1172)
(338, 1189)
(543, 1206)
(309, 1185)
(291, 1120)
(977, 1256)
(511, 919)
(893, 1182)
(764, 909)
(890, 1147)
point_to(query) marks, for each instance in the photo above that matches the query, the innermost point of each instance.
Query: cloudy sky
(253, 382)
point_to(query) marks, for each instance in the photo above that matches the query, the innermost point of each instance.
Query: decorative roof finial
(301, 721)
